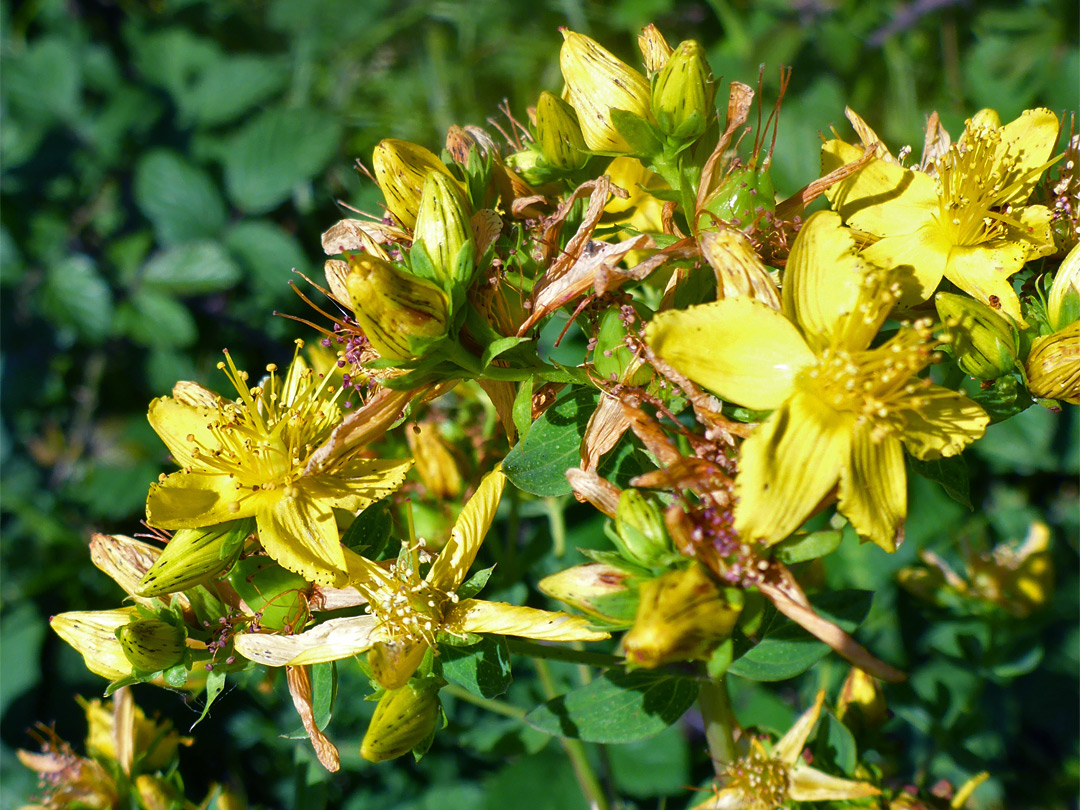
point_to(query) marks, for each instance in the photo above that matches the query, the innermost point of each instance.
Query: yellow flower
(842, 411)
(765, 781)
(250, 457)
(407, 611)
(965, 218)
(121, 731)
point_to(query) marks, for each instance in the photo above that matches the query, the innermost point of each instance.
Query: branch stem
(720, 723)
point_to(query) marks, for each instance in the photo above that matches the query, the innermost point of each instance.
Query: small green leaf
(269, 254)
(522, 410)
(482, 668)
(156, 319)
(539, 462)
(637, 132)
(231, 86)
(474, 584)
(323, 692)
(179, 198)
(370, 531)
(803, 547)
(215, 682)
(951, 473)
(835, 744)
(76, 295)
(617, 707)
(191, 269)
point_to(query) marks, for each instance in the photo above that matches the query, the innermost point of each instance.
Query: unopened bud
(1053, 366)
(984, 343)
(152, 644)
(156, 794)
(744, 194)
(530, 166)
(639, 527)
(612, 358)
(400, 170)
(600, 591)
(654, 48)
(862, 702)
(395, 309)
(193, 556)
(124, 559)
(93, 634)
(739, 270)
(558, 134)
(599, 82)
(435, 463)
(683, 616)
(682, 96)
(1063, 302)
(403, 719)
(444, 228)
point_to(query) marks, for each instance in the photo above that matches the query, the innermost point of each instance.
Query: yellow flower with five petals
(250, 457)
(965, 218)
(842, 410)
(407, 610)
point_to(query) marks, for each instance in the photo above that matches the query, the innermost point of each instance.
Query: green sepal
(637, 132)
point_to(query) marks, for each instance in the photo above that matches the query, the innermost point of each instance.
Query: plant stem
(575, 749)
(720, 723)
(543, 651)
(496, 706)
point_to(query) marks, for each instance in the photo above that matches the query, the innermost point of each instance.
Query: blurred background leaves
(165, 166)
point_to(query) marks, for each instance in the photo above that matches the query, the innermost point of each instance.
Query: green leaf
(522, 409)
(370, 531)
(951, 473)
(276, 152)
(617, 707)
(482, 668)
(474, 584)
(499, 346)
(75, 295)
(323, 691)
(44, 82)
(538, 463)
(653, 767)
(835, 744)
(638, 132)
(156, 319)
(191, 269)
(269, 254)
(179, 198)
(215, 682)
(803, 547)
(786, 649)
(231, 86)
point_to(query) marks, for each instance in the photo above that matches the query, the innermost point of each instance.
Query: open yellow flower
(965, 218)
(407, 611)
(250, 457)
(842, 411)
(765, 781)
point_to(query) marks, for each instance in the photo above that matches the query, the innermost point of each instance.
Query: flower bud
(400, 170)
(435, 463)
(558, 134)
(1063, 302)
(744, 194)
(155, 793)
(861, 703)
(444, 229)
(404, 719)
(683, 616)
(682, 96)
(654, 48)
(599, 82)
(612, 358)
(600, 591)
(193, 556)
(152, 644)
(124, 559)
(639, 528)
(395, 309)
(530, 165)
(93, 634)
(1053, 366)
(739, 270)
(984, 343)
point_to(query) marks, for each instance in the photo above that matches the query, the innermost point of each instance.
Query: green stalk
(495, 706)
(720, 723)
(533, 649)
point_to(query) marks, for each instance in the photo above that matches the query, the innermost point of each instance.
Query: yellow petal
(358, 484)
(329, 641)
(982, 271)
(823, 278)
(453, 563)
(1035, 231)
(500, 618)
(921, 257)
(184, 426)
(739, 348)
(1028, 141)
(873, 490)
(789, 748)
(394, 661)
(301, 534)
(787, 466)
(811, 785)
(93, 634)
(196, 500)
(941, 423)
(881, 198)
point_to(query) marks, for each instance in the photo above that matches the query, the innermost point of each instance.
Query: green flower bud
(683, 616)
(395, 309)
(639, 526)
(1053, 367)
(984, 343)
(531, 166)
(682, 95)
(743, 195)
(445, 231)
(194, 556)
(404, 719)
(612, 358)
(1063, 302)
(152, 644)
(400, 170)
(600, 591)
(558, 134)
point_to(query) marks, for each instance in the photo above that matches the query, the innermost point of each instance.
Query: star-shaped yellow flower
(250, 457)
(766, 781)
(407, 611)
(965, 218)
(843, 411)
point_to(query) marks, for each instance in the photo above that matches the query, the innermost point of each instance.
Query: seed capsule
(984, 342)
(152, 644)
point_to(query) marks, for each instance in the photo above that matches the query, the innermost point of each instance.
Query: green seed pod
(394, 308)
(639, 527)
(743, 195)
(404, 719)
(444, 229)
(194, 556)
(400, 170)
(612, 358)
(600, 591)
(683, 616)
(559, 135)
(682, 95)
(984, 343)
(277, 594)
(152, 644)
